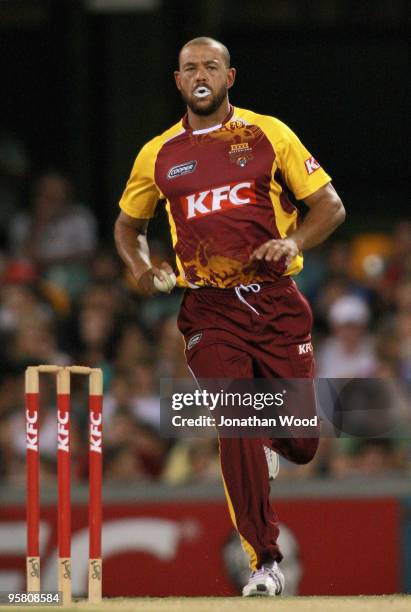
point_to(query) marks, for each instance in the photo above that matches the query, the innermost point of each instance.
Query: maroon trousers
(256, 331)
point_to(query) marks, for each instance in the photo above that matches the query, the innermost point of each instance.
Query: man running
(229, 177)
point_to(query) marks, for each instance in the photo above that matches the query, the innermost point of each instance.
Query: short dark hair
(206, 40)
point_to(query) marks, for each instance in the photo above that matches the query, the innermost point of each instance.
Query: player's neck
(200, 122)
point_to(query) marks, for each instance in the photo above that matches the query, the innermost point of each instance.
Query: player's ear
(231, 72)
(177, 77)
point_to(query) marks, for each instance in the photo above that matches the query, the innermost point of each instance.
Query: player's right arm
(131, 242)
(130, 236)
(138, 204)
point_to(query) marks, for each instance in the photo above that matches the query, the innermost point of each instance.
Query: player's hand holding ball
(166, 282)
(156, 279)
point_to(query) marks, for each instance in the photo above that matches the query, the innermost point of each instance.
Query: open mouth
(202, 92)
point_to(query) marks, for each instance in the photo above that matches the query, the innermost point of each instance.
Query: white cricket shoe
(273, 462)
(268, 581)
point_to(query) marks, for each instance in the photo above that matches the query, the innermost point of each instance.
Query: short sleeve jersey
(228, 189)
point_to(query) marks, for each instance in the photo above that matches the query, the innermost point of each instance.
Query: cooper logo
(182, 169)
(311, 165)
(221, 198)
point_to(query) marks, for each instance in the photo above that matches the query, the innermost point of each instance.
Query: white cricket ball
(165, 285)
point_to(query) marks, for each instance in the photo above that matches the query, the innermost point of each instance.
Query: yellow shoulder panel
(300, 170)
(140, 197)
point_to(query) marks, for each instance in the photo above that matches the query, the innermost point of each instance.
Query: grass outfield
(389, 603)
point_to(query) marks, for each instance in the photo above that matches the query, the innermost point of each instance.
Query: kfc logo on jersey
(220, 198)
(311, 165)
(305, 348)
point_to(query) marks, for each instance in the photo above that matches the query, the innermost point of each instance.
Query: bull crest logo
(240, 154)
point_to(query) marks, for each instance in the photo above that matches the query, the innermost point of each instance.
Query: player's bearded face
(207, 105)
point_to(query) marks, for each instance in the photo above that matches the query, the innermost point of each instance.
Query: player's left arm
(326, 213)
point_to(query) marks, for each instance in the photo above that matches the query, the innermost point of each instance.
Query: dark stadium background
(86, 88)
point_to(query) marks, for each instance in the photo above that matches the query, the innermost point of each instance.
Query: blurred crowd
(65, 298)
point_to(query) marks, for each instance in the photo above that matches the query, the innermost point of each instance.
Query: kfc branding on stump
(219, 198)
(63, 432)
(64, 576)
(32, 433)
(95, 432)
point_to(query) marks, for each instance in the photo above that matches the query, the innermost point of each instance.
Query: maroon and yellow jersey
(227, 191)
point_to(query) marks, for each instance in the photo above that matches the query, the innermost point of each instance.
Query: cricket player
(229, 177)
